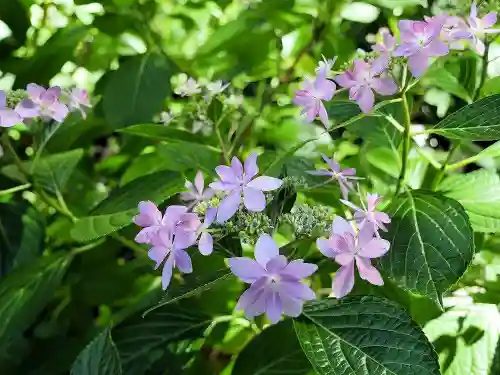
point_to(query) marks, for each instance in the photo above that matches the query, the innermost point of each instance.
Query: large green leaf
(274, 351)
(439, 76)
(100, 357)
(161, 132)
(479, 193)
(364, 336)
(137, 90)
(138, 338)
(431, 243)
(120, 207)
(466, 339)
(24, 293)
(22, 232)
(477, 121)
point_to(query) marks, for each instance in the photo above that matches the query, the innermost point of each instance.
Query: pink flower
(78, 100)
(314, 92)
(206, 242)
(341, 175)
(197, 192)
(369, 215)
(364, 79)
(44, 103)
(420, 41)
(324, 67)
(388, 44)
(8, 116)
(348, 248)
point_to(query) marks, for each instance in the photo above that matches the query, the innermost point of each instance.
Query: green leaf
(479, 193)
(193, 285)
(16, 16)
(491, 86)
(431, 243)
(441, 77)
(120, 207)
(466, 339)
(161, 132)
(393, 4)
(137, 337)
(136, 91)
(364, 336)
(273, 351)
(22, 233)
(24, 293)
(479, 121)
(100, 357)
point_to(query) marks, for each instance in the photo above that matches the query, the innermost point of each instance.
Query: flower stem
(15, 189)
(444, 166)
(7, 145)
(406, 142)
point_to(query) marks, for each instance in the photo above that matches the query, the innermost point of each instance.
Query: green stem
(15, 189)
(7, 145)
(444, 166)
(406, 143)
(138, 250)
(222, 144)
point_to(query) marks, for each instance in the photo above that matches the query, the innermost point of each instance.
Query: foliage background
(57, 293)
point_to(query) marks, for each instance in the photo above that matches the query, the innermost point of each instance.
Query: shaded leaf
(161, 132)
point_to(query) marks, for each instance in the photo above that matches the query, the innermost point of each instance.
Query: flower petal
(166, 274)
(199, 182)
(340, 226)
(274, 307)
(148, 214)
(253, 199)
(374, 248)
(418, 64)
(276, 264)
(229, 206)
(368, 272)
(265, 183)
(299, 270)
(226, 174)
(237, 167)
(158, 254)
(292, 307)
(251, 167)
(326, 247)
(384, 86)
(296, 290)
(206, 244)
(344, 280)
(265, 249)
(246, 269)
(183, 261)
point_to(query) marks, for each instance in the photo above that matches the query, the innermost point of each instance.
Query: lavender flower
(364, 79)
(189, 88)
(341, 175)
(197, 192)
(44, 103)
(206, 242)
(388, 44)
(276, 286)
(235, 181)
(313, 93)
(369, 215)
(420, 41)
(8, 116)
(348, 248)
(78, 100)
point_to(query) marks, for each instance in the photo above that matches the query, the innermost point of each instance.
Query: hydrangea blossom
(336, 172)
(8, 116)
(313, 93)
(348, 248)
(78, 100)
(197, 192)
(216, 87)
(420, 41)
(365, 78)
(369, 215)
(236, 180)
(189, 88)
(276, 286)
(44, 103)
(206, 242)
(388, 44)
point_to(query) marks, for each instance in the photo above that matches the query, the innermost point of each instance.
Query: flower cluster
(419, 41)
(47, 104)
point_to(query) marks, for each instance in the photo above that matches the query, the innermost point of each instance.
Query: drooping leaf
(466, 339)
(138, 337)
(477, 121)
(100, 357)
(120, 207)
(136, 91)
(161, 132)
(24, 293)
(479, 193)
(364, 336)
(22, 232)
(273, 351)
(431, 243)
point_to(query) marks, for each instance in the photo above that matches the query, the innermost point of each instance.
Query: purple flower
(169, 248)
(176, 219)
(324, 68)
(206, 242)
(276, 286)
(8, 117)
(341, 175)
(348, 248)
(369, 215)
(235, 181)
(420, 41)
(44, 103)
(314, 92)
(78, 100)
(388, 44)
(196, 191)
(364, 79)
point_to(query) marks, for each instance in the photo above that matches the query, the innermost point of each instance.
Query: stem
(406, 143)
(221, 141)
(440, 174)
(484, 71)
(15, 189)
(138, 250)
(7, 145)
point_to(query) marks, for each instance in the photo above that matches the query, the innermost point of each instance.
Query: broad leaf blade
(364, 336)
(161, 132)
(272, 352)
(479, 121)
(100, 357)
(431, 243)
